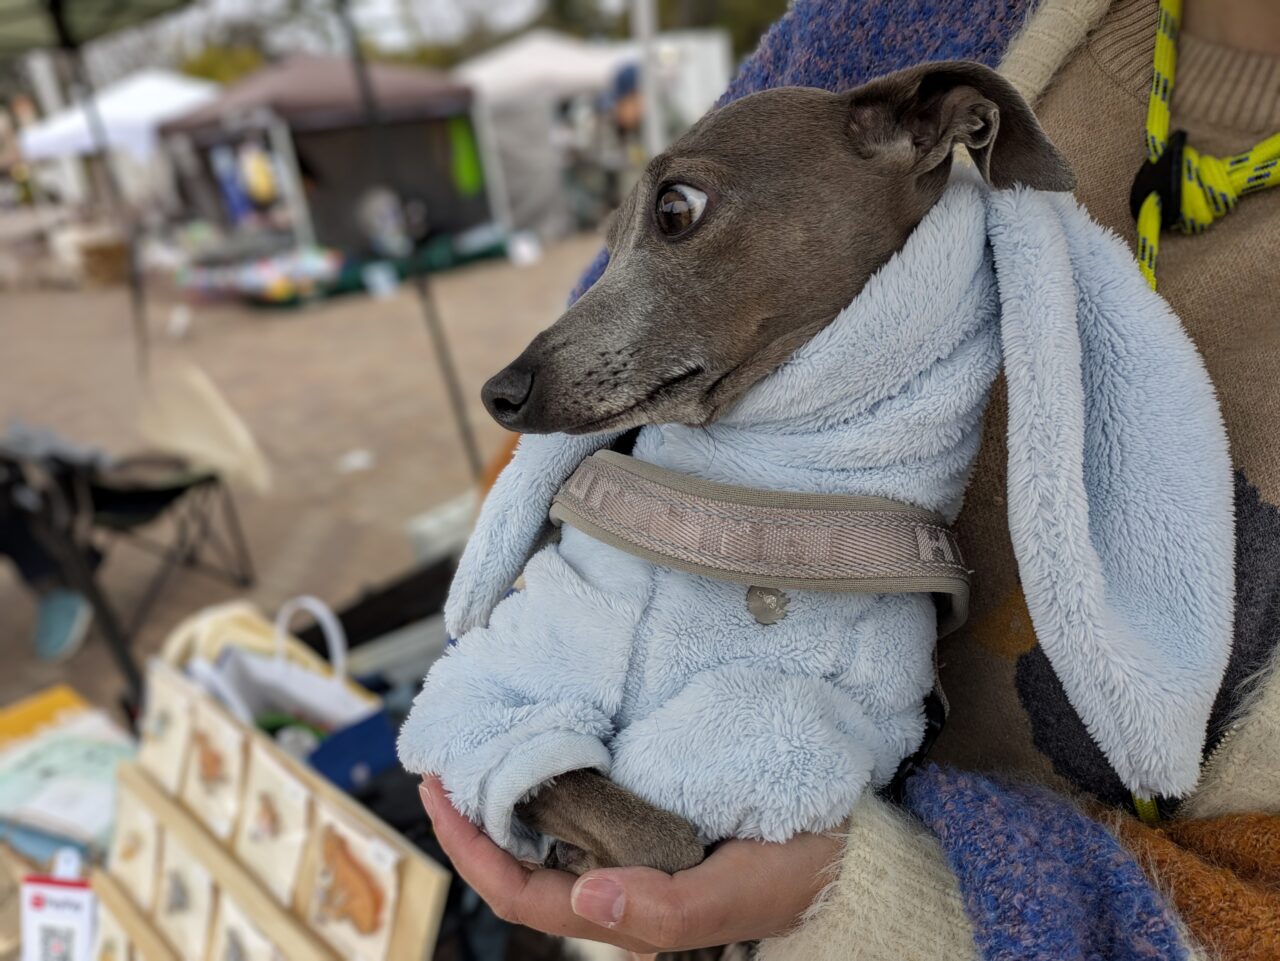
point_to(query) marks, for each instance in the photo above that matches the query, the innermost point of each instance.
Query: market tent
(312, 92)
(545, 62)
(310, 111)
(131, 111)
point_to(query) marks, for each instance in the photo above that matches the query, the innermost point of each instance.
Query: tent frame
(426, 299)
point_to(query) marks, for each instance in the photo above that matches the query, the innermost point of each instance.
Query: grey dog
(739, 243)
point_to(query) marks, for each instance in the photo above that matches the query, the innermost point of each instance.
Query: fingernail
(598, 900)
(428, 801)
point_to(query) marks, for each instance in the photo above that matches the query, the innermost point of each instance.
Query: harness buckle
(1163, 178)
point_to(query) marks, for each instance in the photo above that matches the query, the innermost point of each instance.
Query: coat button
(768, 605)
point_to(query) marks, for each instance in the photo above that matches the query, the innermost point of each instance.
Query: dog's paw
(564, 856)
(597, 824)
(668, 847)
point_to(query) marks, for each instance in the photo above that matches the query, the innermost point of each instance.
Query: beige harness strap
(815, 542)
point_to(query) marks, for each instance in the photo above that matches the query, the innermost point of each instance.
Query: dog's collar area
(766, 539)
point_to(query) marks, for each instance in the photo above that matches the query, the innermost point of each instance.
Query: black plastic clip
(1162, 177)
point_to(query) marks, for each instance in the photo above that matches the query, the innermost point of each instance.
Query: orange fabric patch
(1221, 875)
(1007, 630)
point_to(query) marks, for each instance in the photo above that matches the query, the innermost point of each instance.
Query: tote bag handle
(335, 637)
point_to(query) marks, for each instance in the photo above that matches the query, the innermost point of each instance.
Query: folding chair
(79, 514)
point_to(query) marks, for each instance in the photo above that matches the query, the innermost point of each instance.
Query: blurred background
(256, 259)
(266, 236)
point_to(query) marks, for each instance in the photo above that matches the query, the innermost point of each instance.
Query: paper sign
(57, 920)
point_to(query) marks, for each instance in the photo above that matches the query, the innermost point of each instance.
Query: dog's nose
(505, 394)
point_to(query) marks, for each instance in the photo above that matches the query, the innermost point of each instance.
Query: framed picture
(134, 857)
(166, 725)
(184, 902)
(353, 899)
(110, 942)
(275, 823)
(236, 938)
(215, 775)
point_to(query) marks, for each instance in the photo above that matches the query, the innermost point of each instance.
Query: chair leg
(80, 577)
(117, 642)
(244, 562)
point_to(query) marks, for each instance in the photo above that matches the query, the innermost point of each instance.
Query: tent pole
(426, 301)
(494, 176)
(295, 198)
(115, 195)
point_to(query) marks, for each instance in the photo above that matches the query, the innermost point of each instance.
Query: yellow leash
(1181, 188)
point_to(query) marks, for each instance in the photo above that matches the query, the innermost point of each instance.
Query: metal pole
(295, 199)
(115, 195)
(644, 25)
(430, 312)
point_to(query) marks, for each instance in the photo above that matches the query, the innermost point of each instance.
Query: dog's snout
(506, 393)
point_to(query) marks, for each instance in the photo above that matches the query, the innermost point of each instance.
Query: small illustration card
(184, 906)
(166, 725)
(273, 831)
(134, 858)
(110, 942)
(215, 775)
(236, 938)
(354, 897)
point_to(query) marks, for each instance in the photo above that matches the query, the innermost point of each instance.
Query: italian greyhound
(741, 241)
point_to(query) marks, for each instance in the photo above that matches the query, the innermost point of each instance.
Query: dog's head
(751, 233)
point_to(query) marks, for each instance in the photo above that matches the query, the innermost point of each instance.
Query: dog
(739, 244)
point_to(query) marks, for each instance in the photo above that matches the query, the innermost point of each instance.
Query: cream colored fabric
(1051, 35)
(895, 899)
(1243, 774)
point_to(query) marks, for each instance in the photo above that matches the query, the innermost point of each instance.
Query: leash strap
(1180, 188)
(814, 542)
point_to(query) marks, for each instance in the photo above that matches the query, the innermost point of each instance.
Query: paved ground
(313, 385)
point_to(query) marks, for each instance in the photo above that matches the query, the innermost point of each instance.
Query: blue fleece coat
(1120, 510)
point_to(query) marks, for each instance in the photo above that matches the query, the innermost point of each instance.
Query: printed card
(166, 725)
(273, 831)
(215, 775)
(236, 938)
(184, 909)
(134, 858)
(110, 942)
(354, 898)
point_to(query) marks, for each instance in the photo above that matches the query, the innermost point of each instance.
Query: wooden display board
(362, 890)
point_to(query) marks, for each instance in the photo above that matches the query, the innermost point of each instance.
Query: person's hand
(743, 891)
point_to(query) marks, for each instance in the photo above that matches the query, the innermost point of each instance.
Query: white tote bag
(251, 685)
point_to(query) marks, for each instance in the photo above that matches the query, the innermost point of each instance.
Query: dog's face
(751, 233)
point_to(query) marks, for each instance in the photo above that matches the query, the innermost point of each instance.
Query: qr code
(57, 944)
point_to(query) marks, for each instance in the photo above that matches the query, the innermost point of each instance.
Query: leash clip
(1162, 177)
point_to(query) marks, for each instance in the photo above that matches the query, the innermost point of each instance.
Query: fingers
(536, 898)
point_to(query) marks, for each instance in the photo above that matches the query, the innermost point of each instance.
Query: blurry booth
(284, 160)
(533, 91)
(561, 116)
(131, 112)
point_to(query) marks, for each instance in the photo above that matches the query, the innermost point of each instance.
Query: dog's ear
(918, 115)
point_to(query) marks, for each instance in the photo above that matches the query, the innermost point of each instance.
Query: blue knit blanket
(1040, 880)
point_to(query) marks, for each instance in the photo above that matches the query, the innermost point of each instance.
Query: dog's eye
(679, 208)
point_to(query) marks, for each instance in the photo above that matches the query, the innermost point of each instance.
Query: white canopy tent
(132, 111)
(546, 62)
